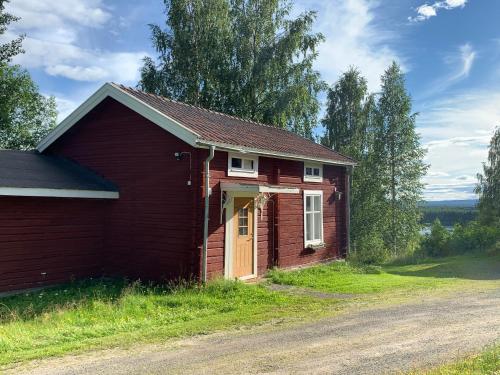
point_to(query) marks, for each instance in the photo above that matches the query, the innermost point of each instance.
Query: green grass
(93, 314)
(101, 313)
(343, 277)
(487, 363)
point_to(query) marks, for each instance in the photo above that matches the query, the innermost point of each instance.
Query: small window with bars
(313, 173)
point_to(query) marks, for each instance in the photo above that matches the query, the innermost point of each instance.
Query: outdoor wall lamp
(179, 156)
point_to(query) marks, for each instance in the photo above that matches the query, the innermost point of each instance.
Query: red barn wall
(46, 241)
(289, 215)
(149, 232)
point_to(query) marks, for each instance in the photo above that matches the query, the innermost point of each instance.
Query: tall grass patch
(98, 313)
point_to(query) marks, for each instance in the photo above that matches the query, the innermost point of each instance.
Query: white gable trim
(165, 122)
(58, 193)
(129, 101)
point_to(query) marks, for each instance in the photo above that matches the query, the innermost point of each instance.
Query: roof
(29, 173)
(201, 127)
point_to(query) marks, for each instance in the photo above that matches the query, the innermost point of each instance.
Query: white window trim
(321, 240)
(237, 172)
(313, 178)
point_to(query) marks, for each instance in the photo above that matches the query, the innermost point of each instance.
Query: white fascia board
(129, 101)
(58, 193)
(270, 154)
(255, 188)
(278, 189)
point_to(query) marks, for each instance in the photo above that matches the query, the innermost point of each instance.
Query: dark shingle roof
(30, 169)
(220, 128)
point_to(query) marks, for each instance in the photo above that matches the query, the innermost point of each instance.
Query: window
(242, 165)
(243, 222)
(313, 172)
(313, 217)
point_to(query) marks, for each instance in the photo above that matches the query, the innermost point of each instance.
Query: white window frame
(241, 172)
(313, 178)
(315, 242)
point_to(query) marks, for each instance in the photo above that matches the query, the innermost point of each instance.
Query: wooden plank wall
(46, 241)
(150, 232)
(290, 232)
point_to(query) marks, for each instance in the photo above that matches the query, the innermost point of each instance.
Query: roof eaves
(280, 155)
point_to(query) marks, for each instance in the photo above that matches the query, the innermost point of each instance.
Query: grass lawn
(98, 314)
(93, 314)
(343, 277)
(487, 363)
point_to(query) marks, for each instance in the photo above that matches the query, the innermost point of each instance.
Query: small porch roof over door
(258, 188)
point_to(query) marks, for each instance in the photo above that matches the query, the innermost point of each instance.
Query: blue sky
(450, 51)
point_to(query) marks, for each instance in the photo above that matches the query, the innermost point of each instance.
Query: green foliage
(242, 57)
(470, 238)
(448, 215)
(488, 186)
(401, 168)
(26, 116)
(386, 185)
(12, 48)
(344, 122)
(437, 242)
(369, 250)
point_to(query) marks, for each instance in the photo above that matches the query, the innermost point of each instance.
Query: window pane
(243, 231)
(243, 222)
(308, 203)
(316, 172)
(248, 164)
(309, 227)
(317, 226)
(309, 171)
(317, 203)
(236, 163)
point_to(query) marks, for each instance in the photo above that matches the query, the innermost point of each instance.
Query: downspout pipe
(208, 192)
(349, 170)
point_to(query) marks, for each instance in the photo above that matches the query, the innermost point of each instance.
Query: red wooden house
(136, 185)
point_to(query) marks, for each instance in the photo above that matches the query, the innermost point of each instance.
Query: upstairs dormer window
(242, 165)
(313, 172)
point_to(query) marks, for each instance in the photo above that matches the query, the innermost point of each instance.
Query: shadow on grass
(29, 305)
(480, 267)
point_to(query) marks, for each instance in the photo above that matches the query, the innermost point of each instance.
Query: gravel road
(372, 341)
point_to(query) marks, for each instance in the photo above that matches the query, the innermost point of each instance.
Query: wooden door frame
(228, 238)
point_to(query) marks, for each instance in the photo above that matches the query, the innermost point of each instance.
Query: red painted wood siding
(155, 229)
(62, 238)
(150, 232)
(290, 218)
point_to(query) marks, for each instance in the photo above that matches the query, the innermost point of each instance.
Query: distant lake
(427, 229)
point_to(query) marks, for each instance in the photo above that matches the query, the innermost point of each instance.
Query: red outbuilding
(136, 185)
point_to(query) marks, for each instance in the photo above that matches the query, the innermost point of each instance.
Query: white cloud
(43, 13)
(456, 132)
(352, 39)
(460, 65)
(56, 32)
(77, 73)
(467, 55)
(426, 11)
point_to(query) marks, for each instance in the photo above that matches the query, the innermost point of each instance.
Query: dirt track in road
(373, 341)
